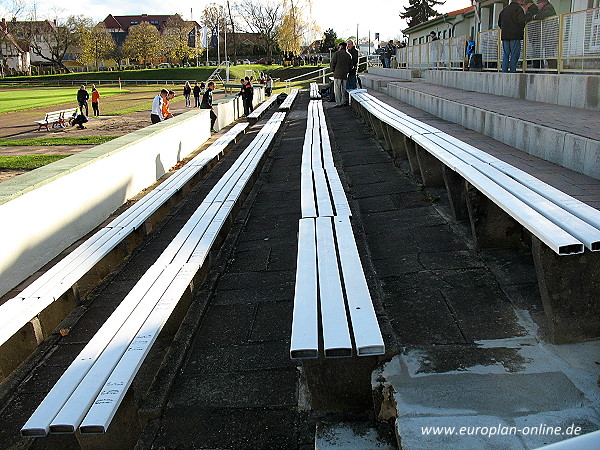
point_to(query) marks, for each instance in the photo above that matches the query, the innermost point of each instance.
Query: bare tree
(52, 40)
(263, 17)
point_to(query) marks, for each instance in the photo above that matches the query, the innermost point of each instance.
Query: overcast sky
(381, 16)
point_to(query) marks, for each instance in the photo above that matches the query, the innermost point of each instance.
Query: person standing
(352, 82)
(82, 99)
(388, 52)
(545, 10)
(156, 114)
(243, 95)
(187, 92)
(469, 51)
(166, 112)
(207, 103)
(511, 23)
(196, 95)
(248, 106)
(341, 63)
(95, 98)
(269, 86)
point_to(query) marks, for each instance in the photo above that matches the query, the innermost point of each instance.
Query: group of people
(79, 118)
(161, 109)
(247, 94)
(197, 90)
(386, 51)
(512, 22)
(344, 65)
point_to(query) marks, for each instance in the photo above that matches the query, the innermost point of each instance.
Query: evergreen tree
(419, 11)
(328, 42)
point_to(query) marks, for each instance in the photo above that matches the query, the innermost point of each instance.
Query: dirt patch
(7, 174)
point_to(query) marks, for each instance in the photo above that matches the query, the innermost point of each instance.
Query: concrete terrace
(464, 328)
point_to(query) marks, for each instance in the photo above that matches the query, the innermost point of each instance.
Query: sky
(381, 16)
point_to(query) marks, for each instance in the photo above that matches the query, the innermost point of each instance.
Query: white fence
(563, 43)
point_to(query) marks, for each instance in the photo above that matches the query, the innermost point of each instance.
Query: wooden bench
(255, 115)
(314, 91)
(22, 310)
(498, 199)
(88, 394)
(286, 105)
(56, 119)
(320, 280)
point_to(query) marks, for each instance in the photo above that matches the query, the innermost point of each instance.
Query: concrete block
(565, 92)
(578, 91)
(549, 89)
(570, 290)
(510, 85)
(521, 134)
(534, 141)
(508, 136)
(553, 143)
(530, 89)
(491, 121)
(592, 92)
(574, 150)
(499, 127)
(592, 159)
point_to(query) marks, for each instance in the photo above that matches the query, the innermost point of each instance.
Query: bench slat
(113, 391)
(340, 201)
(324, 206)
(581, 230)
(336, 335)
(365, 327)
(305, 333)
(555, 237)
(307, 194)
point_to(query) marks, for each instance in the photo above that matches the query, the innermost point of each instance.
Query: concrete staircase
(553, 117)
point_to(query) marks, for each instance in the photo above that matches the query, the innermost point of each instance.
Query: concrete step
(564, 135)
(351, 435)
(514, 393)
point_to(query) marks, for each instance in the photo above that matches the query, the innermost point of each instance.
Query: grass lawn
(27, 162)
(51, 141)
(20, 99)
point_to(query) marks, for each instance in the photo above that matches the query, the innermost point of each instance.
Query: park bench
(56, 119)
(255, 115)
(23, 309)
(88, 394)
(323, 287)
(286, 105)
(497, 197)
(314, 91)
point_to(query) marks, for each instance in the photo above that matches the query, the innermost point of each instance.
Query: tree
(328, 42)
(262, 17)
(142, 42)
(214, 19)
(291, 29)
(96, 45)
(176, 39)
(419, 11)
(52, 40)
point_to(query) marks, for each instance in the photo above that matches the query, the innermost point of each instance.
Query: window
(133, 22)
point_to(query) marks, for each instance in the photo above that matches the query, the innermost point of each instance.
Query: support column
(431, 168)
(491, 226)
(456, 186)
(411, 153)
(570, 290)
(397, 142)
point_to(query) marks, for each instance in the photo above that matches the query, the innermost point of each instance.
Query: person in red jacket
(95, 98)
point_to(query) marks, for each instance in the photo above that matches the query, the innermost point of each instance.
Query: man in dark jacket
(341, 63)
(352, 82)
(207, 103)
(545, 10)
(512, 24)
(82, 98)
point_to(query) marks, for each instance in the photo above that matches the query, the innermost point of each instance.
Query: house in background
(14, 57)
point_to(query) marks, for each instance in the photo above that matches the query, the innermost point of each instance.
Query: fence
(564, 43)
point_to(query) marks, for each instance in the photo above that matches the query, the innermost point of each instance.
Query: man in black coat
(82, 98)
(352, 82)
(512, 23)
(341, 63)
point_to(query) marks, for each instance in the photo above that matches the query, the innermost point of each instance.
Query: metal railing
(564, 43)
(446, 53)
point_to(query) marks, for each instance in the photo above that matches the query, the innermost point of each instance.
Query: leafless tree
(262, 17)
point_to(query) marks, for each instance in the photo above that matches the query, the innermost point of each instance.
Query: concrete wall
(51, 207)
(565, 149)
(46, 210)
(400, 74)
(578, 91)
